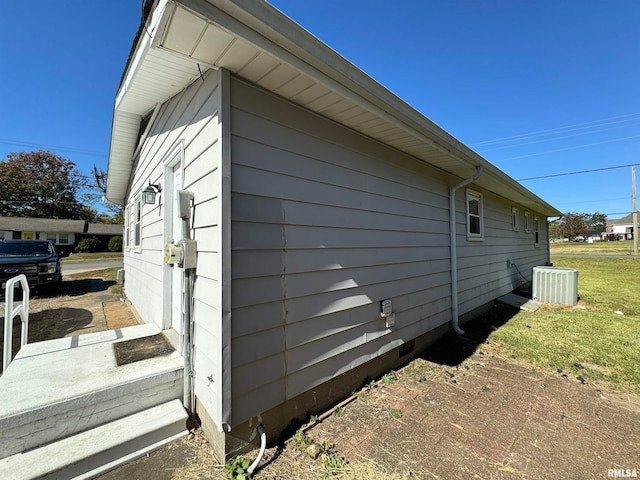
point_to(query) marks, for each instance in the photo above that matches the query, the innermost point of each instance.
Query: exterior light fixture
(149, 193)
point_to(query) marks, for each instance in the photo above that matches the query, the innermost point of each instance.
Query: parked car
(37, 259)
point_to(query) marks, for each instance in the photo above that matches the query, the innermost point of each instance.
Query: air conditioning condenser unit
(555, 285)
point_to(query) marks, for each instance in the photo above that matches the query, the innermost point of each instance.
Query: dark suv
(37, 259)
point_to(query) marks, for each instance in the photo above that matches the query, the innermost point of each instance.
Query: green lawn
(621, 247)
(92, 256)
(108, 275)
(590, 341)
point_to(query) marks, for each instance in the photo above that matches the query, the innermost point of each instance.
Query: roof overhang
(251, 39)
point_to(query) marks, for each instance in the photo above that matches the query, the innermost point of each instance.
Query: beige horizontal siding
(326, 223)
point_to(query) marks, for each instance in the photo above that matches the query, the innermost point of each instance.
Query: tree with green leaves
(573, 224)
(43, 185)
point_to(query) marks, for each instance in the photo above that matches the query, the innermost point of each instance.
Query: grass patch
(108, 275)
(620, 247)
(94, 256)
(606, 284)
(395, 413)
(591, 342)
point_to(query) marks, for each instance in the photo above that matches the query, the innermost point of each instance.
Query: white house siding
(326, 223)
(189, 119)
(483, 272)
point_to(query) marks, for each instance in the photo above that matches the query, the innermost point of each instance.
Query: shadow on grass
(75, 288)
(453, 349)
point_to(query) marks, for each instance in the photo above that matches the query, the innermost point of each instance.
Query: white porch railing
(9, 314)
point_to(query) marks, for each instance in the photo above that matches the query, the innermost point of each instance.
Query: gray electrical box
(189, 253)
(184, 204)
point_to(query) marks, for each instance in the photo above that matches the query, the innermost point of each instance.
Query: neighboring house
(317, 194)
(620, 228)
(103, 232)
(64, 234)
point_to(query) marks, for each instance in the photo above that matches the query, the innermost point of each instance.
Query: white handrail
(9, 314)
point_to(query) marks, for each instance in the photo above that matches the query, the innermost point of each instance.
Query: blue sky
(536, 87)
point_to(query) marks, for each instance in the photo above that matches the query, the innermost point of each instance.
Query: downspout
(453, 248)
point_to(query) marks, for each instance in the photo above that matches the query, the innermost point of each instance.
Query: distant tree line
(571, 225)
(41, 184)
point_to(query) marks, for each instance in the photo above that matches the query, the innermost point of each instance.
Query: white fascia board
(144, 44)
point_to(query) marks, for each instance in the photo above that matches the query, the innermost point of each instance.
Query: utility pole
(634, 210)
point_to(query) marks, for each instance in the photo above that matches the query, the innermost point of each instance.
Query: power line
(577, 126)
(576, 173)
(53, 147)
(551, 139)
(568, 148)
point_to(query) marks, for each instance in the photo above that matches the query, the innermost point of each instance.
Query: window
(137, 214)
(536, 230)
(527, 223)
(475, 227)
(63, 238)
(515, 220)
(127, 228)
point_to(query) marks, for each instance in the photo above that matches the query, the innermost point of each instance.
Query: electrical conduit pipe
(453, 249)
(263, 446)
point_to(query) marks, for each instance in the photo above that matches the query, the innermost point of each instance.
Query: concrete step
(57, 389)
(100, 449)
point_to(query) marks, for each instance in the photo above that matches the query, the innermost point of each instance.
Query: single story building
(337, 230)
(64, 234)
(620, 228)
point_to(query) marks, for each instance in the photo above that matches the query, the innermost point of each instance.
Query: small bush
(87, 245)
(115, 244)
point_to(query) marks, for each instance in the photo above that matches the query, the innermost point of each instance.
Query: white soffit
(185, 42)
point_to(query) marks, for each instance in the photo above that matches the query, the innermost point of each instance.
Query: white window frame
(527, 221)
(515, 219)
(477, 196)
(137, 224)
(67, 241)
(536, 230)
(127, 228)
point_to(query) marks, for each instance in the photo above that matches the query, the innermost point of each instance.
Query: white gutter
(453, 249)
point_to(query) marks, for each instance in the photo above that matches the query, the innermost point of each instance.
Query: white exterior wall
(189, 121)
(483, 272)
(326, 223)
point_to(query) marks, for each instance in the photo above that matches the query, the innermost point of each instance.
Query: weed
(332, 462)
(237, 469)
(301, 440)
(389, 377)
(395, 413)
(339, 412)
